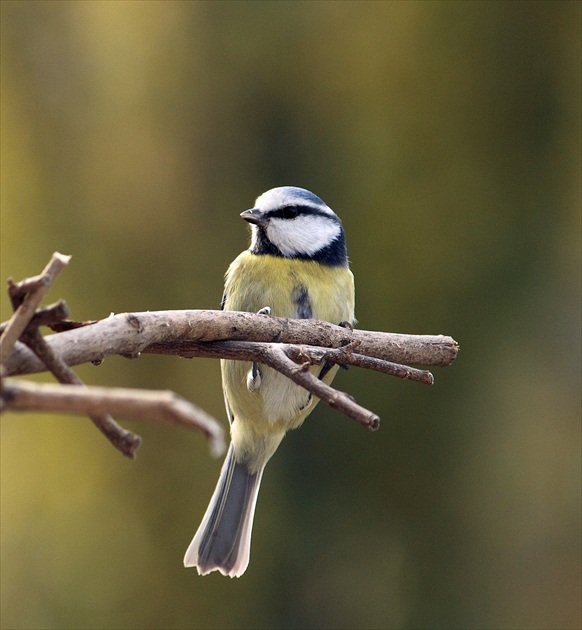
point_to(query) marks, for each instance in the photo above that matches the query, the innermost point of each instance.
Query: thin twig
(50, 315)
(26, 296)
(250, 351)
(163, 406)
(34, 290)
(341, 356)
(275, 357)
(125, 441)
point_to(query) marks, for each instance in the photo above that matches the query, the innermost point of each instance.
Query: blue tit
(296, 266)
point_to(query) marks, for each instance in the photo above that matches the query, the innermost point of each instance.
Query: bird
(296, 267)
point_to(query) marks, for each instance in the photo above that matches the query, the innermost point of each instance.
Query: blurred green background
(447, 137)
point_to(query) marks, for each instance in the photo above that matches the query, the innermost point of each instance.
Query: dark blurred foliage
(447, 137)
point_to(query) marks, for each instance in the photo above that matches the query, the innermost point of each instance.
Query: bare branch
(163, 406)
(181, 332)
(33, 290)
(125, 441)
(250, 351)
(26, 296)
(290, 346)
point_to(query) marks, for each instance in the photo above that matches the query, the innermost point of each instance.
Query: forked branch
(289, 346)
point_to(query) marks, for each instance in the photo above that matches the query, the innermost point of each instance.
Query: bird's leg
(329, 364)
(349, 326)
(254, 376)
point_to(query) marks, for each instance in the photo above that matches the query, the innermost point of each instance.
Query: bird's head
(294, 223)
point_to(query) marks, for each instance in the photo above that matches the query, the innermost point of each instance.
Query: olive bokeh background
(447, 137)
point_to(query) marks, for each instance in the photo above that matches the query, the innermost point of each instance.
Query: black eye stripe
(294, 210)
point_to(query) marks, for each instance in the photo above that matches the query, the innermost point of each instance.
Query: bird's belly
(278, 404)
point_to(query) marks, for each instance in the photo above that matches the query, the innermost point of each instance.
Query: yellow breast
(253, 282)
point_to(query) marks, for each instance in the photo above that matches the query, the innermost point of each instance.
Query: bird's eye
(289, 212)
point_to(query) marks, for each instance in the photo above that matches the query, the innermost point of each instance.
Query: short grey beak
(254, 216)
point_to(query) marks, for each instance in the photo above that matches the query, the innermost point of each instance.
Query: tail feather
(223, 540)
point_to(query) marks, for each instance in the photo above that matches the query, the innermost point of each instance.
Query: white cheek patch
(303, 235)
